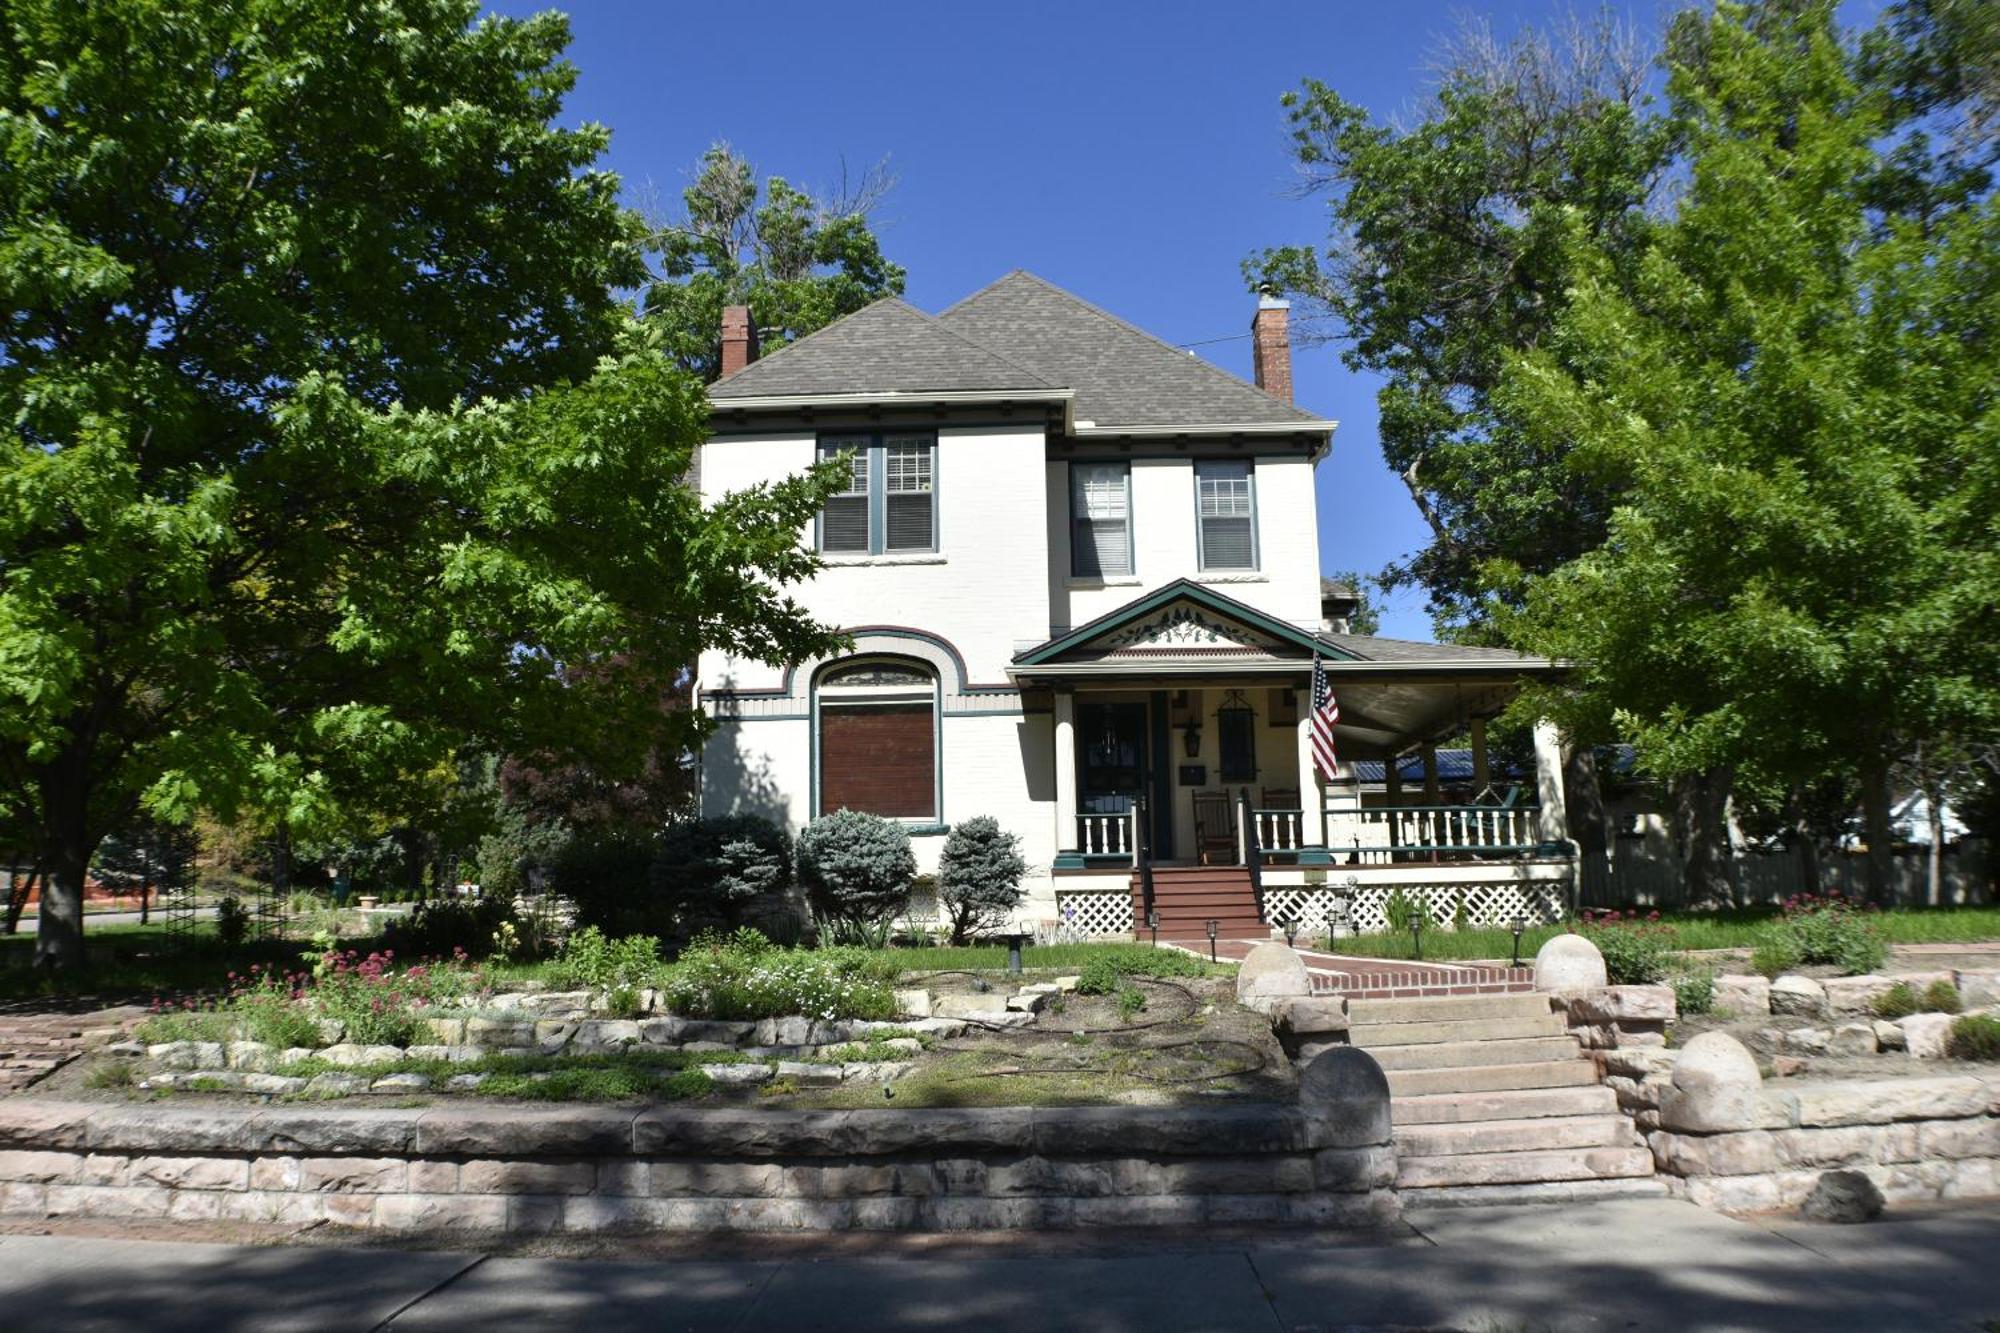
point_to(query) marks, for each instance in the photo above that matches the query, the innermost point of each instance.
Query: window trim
(1256, 564)
(1131, 569)
(875, 457)
(915, 824)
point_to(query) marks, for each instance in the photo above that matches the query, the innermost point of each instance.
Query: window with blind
(1101, 519)
(878, 740)
(1226, 510)
(890, 503)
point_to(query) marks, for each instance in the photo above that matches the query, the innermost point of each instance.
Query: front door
(1115, 763)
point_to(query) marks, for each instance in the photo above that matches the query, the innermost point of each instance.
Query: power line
(1206, 341)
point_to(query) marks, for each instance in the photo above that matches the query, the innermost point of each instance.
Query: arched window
(878, 738)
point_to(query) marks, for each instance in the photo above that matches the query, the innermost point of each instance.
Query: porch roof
(1393, 692)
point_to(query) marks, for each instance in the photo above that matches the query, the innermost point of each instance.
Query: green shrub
(717, 869)
(1832, 930)
(1974, 1037)
(1102, 972)
(979, 875)
(607, 875)
(616, 969)
(1899, 1001)
(1941, 997)
(1131, 1000)
(232, 921)
(740, 977)
(1635, 949)
(1402, 910)
(446, 927)
(856, 869)
(1694, 992)
(1776, 953)
(1100, 976)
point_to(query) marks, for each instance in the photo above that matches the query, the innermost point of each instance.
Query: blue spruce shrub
(856, 870)
(979, 875)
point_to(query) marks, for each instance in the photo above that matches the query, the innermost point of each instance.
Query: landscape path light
(1213, 926)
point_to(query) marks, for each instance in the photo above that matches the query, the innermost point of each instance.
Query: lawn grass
(1706, 930)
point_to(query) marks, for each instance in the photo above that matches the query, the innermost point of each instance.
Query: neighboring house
(1081, 569)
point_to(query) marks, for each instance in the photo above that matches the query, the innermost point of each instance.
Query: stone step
(1520, 1168)
(1491, 1078)
(1460, 1029)
(1492, 1136)
(1455, 1054)
(1546, 1191)
(1444, 1009)
(1452, 1108)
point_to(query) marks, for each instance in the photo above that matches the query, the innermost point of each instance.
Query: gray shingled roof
(1123, 376)
(1373, 648)
(888, 347)
(1017, 333)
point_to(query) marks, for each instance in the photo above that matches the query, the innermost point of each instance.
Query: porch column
(1066, 849)
(1480, 781)
(1432, 794)
(1312, 790)
(1554, 823)
(1392, 779)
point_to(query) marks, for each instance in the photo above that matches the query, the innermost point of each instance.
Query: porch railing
(1279, 830)
(1105, 834)
(1381, 835)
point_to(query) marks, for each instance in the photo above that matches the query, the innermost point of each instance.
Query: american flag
(1325, 713)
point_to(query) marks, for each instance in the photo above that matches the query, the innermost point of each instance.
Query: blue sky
(1131, 152)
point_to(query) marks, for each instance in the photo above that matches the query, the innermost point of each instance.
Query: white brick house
(1081, 572)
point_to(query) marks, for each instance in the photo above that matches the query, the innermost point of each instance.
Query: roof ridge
(1234, 381)
(892, 299)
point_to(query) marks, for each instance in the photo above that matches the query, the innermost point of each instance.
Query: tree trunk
(59, 928)
(1934, 871)
(17, 900)
(1875, 828)
(1583, 799)
(1701, 817)
(1804, 840)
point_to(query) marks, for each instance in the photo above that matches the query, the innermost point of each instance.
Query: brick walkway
(1388, 978)
(35, 1045)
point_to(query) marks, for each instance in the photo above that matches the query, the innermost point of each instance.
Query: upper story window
(1100, 519)
(890, 502)
(1226, 514)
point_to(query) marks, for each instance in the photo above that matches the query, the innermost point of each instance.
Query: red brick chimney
(739, 339)
(1271, 346)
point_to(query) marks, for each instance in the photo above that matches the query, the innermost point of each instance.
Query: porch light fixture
(1517, 925)
(1191, 737)
(1213, 926)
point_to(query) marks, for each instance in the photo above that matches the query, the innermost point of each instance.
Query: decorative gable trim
(1199, 624)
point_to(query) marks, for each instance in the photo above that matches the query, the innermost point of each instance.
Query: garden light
(1213, 926)
(1153, 924)
(1517, 925)
(1417, 937)
(1014, 953)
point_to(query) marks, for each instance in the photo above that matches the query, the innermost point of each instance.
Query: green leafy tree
(979, 875)
(311, 360)
(1448, 253)
(1793, 398)
(799, 261)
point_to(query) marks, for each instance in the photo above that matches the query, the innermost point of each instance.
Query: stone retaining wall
(1735, 1144)
(1324, 1161)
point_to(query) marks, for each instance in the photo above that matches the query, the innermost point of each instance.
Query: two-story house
(1081, 571)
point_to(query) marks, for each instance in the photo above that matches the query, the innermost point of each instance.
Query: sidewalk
(1631, 1264)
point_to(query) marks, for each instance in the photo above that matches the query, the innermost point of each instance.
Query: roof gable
(1123, 376)
(1181, 619)
(887, 347)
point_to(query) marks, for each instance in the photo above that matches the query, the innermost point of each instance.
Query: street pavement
(1636, 1264)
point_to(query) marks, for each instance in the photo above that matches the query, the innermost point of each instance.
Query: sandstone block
(1798, 997)
(1271, 972)
(1346, 1093)
(192, 1173)
(1749, 1153)
(1787, 1066)
(1844, 1145)
(1310, 1015)
(432, 1177)
(251, 1056)
(1743, 996)
(349, 1055)
(335, 1085)
(711, 1179)
(915, 1002)
(792, 1030)
(971, 1005)
(353, 1175)
(809, 1075)
(1624, 1004)
(506, 1131)
(1952, 1139)
(501, 1176)
(1926, 1036)
(859, 1180)
(1888, 1036)
(1715, 1087)
(1857, 995)
(1853, 1039)
(1978, 987)
(401, 1083)
(30, 1167)
(1569, 963)
(1808, 1041)
(737, 1076)
(441, 1212)
(598, 1035)
(1882, 1101)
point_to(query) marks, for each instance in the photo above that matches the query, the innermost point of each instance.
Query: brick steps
(1189, 897)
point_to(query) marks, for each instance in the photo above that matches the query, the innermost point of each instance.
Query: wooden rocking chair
(1214, 830)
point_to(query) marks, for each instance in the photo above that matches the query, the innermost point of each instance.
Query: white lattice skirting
(1095, 911)
(1540, 904)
